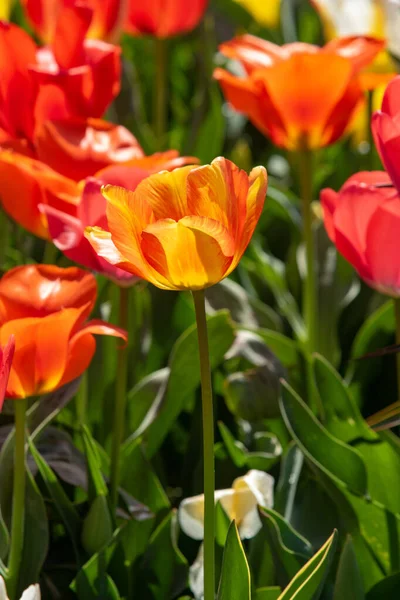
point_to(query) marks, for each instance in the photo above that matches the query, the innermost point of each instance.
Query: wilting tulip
(386, 129)
(363, 221)
(57, 346)
(27, 183)
(239, 502)
(106, 23)
(6, 356)
(32, 593)
(265, 13)
(185, 229)
(163, 19)
(299, 95)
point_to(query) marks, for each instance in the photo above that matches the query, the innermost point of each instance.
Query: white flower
(392, 10)
(350, 17)
(32, 593)
(239, 502)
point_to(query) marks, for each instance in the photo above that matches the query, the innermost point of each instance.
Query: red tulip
(105, 24)
(74, 77)
(79, 148)
(163, 18)
(53, 343)
(363, 221)
(6, 356)
(386, 129)
(299, 95)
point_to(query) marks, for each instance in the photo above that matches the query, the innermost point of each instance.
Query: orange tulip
(40, 290)
(299, 95)
(26, 183)
(163, 18)
(105, 25)
(6, 356)
(185, 229)
(53, 344)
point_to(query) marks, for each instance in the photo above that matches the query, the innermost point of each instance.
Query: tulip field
(200, 299)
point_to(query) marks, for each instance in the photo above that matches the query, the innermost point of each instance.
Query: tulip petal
(39, 290)
(382, 248)
(166, 193)
(192, 253)
(360, 49)
(6, 357)
(386, 131)
(253, 52)
(71, 27)
(191, 512)
(32, 593)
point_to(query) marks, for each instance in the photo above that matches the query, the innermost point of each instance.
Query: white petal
(191, 512)
(260, 484)
(3, 591)
(32, 593)
(196, 575)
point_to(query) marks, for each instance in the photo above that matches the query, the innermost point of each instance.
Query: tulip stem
(397, 318)
(310, 304)
(208, 446)
(120, 402)
(18, 502)
(160, 91)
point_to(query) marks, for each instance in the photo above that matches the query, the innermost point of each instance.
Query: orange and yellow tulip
(182, 230)
(299, 95)
(163, 18)
(53, 342)
(106, 23)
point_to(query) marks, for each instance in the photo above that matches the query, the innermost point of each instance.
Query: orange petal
(219, 191)
(39, 290)
(40, 356)
(162, 161)
(70, 31)
(33, 183)
(192, 253)
(253, 52)
(361, 50)
(306, 88)
(6, 357)
(165, 193)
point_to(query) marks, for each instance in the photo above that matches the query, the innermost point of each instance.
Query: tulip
(105, 24)
(363, 221)
(265, 13)
(299, 95)
(239, 502)
(6, 356)
(386, 130)
(32, 593)
(57, 346)
(80, 148)
(392, 13)
(185, 229)
(5, 8)
(33, 184)
(74, 77)
(163, 19)
(41, 290)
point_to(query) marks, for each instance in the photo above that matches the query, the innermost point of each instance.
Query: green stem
(18, 503)
(310, 298)
(397, 317)
(120, 402)
(160, 91)
(208, 446)
(81, 399)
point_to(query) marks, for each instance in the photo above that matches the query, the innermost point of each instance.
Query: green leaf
(309, 581)
(97, 527)
(241, 457)
(342, 417)
(348, 583)
(387, 589)
(165, 569)
(235, 575)
(291, 468)
(63, 504)
(267, 593)
(211, 133)
(185, 375)
(222, 524)
(288, 548)
(330, 454)
(97, 485)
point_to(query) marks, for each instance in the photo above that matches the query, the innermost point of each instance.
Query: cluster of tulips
(86, 186)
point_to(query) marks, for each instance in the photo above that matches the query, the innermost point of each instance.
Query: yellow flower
(5, 9)
(265, 12)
